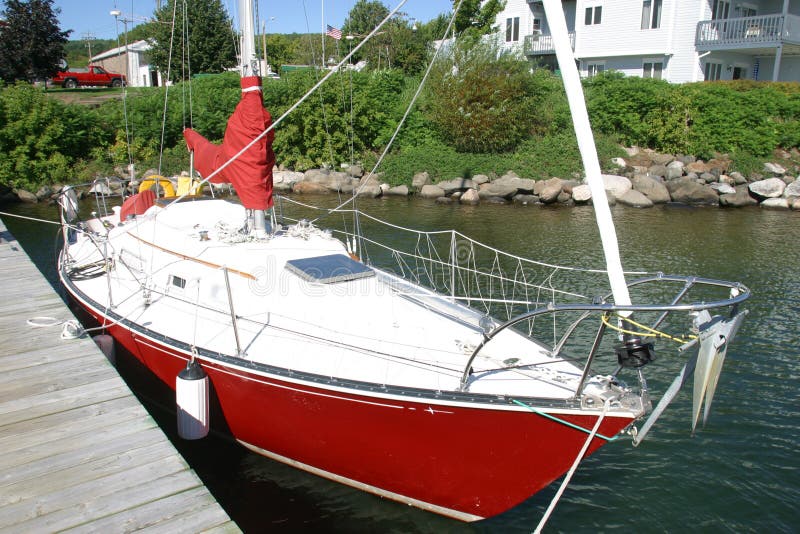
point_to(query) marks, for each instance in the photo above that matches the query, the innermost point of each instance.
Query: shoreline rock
(644, 179)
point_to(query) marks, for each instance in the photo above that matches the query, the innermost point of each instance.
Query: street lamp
(265, 29)
(116, 14)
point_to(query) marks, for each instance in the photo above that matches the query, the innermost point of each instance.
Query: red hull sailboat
(423, 377)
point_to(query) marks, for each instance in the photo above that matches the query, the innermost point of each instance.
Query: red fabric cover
(137, 204)
(251, 173)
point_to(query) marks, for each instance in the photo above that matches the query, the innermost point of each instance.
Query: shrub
(700, 118)
(41, 138)
(622, 105)
(481, 99)
(323, 130)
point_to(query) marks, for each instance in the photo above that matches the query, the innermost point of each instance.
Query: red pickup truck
(91, 75)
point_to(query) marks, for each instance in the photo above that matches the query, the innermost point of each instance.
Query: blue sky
(290, 16)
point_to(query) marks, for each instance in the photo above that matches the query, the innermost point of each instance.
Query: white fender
(191, 394)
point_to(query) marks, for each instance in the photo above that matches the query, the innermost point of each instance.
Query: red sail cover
(137, 204)
(251, 173)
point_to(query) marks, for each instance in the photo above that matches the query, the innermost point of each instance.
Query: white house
(677, 40)
(131, 61)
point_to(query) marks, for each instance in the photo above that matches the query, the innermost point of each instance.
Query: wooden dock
(77, 450)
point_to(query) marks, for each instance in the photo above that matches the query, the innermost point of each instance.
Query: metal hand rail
(742, 293)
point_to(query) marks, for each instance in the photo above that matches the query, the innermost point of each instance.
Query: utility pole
(89, 37)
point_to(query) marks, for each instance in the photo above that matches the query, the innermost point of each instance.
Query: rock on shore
(643, 179)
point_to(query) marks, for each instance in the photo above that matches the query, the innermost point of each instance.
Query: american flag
(336, 33)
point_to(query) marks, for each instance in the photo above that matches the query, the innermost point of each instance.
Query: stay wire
(183, 65)
(189, 64)
(124, 98)
(293, 107)
(402, 120)
(166, 91)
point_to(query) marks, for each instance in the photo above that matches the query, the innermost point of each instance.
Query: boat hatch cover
(329, 269)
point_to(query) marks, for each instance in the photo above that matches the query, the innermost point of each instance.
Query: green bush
(699, 118)
(622, 106)
(502, 117)
(323, 130)
(537, 158)
(41, 138)
(482, 99)
(753, 118)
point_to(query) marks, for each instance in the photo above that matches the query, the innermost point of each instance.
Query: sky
(91, 17)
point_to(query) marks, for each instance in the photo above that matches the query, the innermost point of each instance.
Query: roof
(138, 46)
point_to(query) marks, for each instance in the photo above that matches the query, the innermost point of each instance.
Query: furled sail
(250, 173)
(554, 12)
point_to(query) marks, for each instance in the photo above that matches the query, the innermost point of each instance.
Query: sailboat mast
(248, 63)
(591, 164)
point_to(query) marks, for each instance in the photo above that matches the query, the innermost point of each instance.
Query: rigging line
(352, 127)
(648, 332)
(234, 32)
(36, 219)
(562, 421)
(294, 106)
(329, 143)
(405, 115)
(572, 469)
(183, 65)
(189, 65)
(124, 99)
(166, 90)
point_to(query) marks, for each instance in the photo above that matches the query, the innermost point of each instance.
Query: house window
(652, 69)
(593, 15)
(512, 29)
(745, 11)
(651, 14)
(720, 9)
(593, 69)
(537, 25)
(739, 73)
(713, 71)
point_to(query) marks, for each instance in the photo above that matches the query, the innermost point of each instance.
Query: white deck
(377, 329)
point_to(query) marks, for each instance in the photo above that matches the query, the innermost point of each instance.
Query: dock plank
(56, 401)
(182, 512)
(78, 450)
(96, 498)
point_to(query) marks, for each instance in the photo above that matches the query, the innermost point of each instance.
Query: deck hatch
(329, 269)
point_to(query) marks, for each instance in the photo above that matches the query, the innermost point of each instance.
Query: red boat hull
(462, 461)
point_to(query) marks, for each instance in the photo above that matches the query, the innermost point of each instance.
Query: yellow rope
(648, 332)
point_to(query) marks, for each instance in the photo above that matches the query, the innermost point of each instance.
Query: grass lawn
(89, 96)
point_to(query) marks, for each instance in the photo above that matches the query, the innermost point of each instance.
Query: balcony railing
(538, 44)
(745, 32)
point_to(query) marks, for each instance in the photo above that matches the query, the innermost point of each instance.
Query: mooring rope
(572, 470)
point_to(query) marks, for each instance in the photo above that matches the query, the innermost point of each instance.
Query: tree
(361, 20)
(280, 50)
(211, 39)
(408, 48)
(477, 16)
(31, 44)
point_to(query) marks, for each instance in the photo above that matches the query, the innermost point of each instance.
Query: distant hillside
(77, 52)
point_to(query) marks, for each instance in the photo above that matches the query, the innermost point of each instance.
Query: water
(740, 473)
